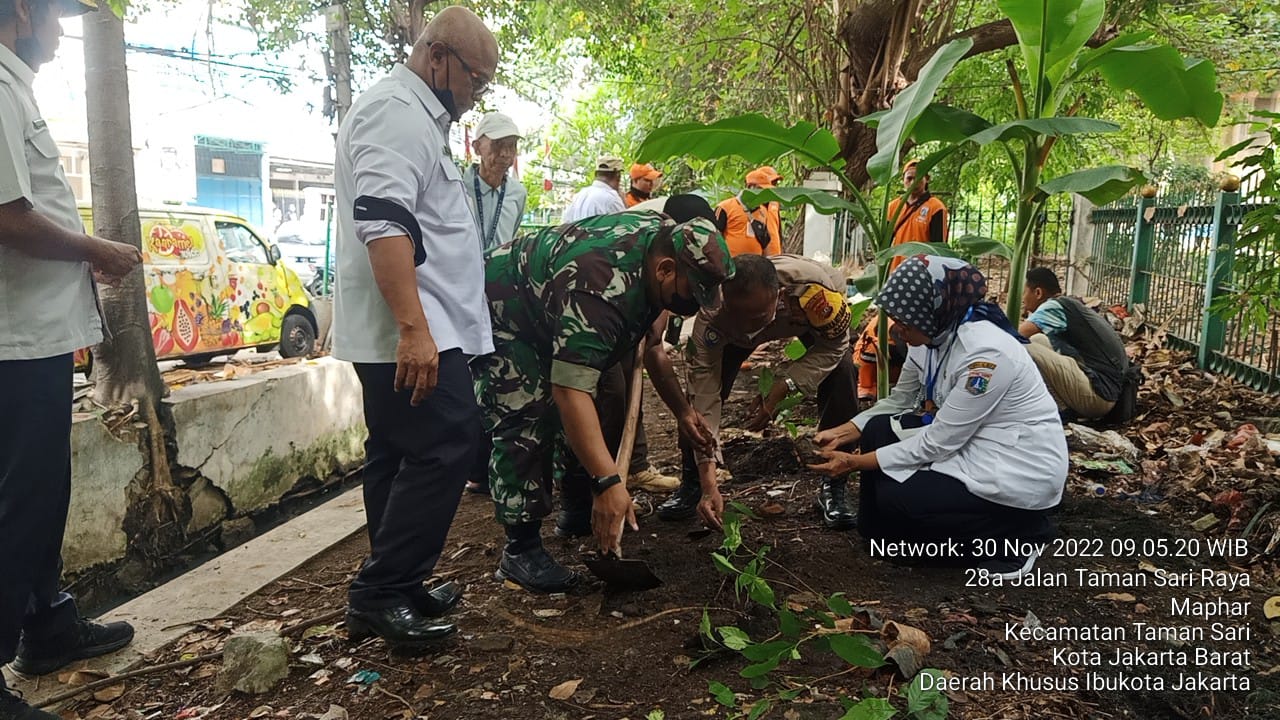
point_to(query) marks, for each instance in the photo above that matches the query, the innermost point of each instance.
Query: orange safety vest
(914, 224)
(632, 200)
(865, 352)
(738, 234)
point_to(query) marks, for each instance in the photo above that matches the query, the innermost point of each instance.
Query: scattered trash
(364, 677)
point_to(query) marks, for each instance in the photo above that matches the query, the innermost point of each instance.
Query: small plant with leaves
(800, 631)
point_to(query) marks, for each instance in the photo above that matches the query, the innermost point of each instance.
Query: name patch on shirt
(979, 377)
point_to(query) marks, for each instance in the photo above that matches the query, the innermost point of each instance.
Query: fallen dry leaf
(80, 677)
(548, 612)
(1116, 597)
(565, 690)
(335, 712)
(261, 711)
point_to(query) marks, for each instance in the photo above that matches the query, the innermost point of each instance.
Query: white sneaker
(1010, 568)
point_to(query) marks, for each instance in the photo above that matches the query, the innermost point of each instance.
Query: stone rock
(236, 531)
(253, 662)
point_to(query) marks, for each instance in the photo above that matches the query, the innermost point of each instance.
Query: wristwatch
(600, 484)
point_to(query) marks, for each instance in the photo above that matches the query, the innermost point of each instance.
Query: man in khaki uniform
(773, 298)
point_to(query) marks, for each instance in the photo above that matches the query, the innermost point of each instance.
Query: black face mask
(29, 51)
(445, 96)
(684, 305)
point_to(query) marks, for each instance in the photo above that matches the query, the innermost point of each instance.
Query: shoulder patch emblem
(711, 337)
(979, 377)
(826, 310)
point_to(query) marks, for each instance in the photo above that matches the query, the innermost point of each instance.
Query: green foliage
(656, 714)
(794, 350)
(1254, 293)
(926, 704)
(809, 630)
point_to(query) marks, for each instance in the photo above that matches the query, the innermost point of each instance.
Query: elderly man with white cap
(496, 200)
(602, 196)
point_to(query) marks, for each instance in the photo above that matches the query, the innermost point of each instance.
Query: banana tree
(758, 140)
(1053, 36)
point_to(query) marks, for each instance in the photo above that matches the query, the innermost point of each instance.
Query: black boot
(13, 707)
(683, 503)
(41, 656)
(831, 505)
(526, 563)
(574, 518)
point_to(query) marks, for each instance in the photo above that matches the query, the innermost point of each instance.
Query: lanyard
(932, 372)
(487, 238)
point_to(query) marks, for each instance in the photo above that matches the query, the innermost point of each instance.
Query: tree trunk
(886, 44)
(125, 368)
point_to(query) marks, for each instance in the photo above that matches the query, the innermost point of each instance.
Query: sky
(186, 81)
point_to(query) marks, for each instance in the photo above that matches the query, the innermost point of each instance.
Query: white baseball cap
(496, 126)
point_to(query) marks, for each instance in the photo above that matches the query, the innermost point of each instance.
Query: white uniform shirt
(47, 307)
(598, 198)
(393, 172)
(512, 211)
(996, 428)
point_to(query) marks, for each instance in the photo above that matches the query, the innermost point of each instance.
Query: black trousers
(35, 492)
(417, 460)
(837, 398)
(931, 506)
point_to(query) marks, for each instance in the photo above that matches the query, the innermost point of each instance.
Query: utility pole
(337, 24)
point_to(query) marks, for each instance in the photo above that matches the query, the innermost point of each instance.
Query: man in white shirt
(48, 310)
(602, 196)
(409, 310)
(496, 199)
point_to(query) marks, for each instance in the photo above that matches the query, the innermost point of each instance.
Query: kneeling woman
(968, 445)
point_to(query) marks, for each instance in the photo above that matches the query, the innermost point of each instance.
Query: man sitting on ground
(1079, 354)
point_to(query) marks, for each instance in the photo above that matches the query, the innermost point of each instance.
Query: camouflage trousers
(513, 386)
(530, 455)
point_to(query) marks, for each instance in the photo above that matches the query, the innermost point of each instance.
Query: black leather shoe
(13, 707)
(401, 626)
(41, 656)
(536, 570)
(438, 601)
(831, 505)
(683, 503)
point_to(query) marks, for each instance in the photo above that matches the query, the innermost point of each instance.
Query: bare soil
(632, 652)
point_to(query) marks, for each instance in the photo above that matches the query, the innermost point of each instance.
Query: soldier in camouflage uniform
(567, 304)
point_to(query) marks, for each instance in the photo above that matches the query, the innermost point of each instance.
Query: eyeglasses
(479, 83)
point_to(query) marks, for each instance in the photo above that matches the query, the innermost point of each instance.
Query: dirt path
(632, 651)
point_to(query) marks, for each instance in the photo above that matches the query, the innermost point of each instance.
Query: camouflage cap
(702, 252)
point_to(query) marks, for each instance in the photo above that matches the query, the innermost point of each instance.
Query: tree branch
(995, 35)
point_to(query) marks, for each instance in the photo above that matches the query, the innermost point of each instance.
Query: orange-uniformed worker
(756, 230)
(924, 218)
(865, 352)
(644, 180)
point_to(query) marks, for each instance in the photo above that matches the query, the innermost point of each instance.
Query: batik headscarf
(935, 295)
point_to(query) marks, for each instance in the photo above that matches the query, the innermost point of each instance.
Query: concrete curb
(164, 614)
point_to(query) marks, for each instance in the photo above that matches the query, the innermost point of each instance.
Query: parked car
(214, 286)
(302, 247)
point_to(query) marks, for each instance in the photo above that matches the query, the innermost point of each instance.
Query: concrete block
(255, 437)
(102, 469)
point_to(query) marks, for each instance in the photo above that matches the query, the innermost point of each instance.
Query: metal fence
(1173, 257)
